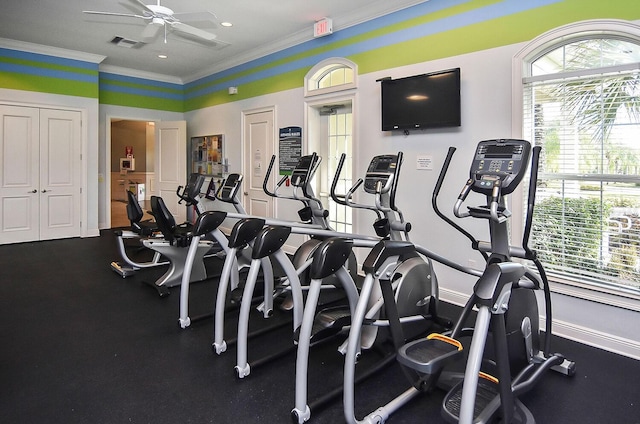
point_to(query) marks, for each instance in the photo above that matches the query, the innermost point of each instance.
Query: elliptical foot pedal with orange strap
(486, 405)
(430, 355)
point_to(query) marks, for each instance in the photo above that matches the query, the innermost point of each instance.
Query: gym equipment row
(399, 289)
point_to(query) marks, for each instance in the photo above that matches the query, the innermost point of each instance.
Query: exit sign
(323, 27)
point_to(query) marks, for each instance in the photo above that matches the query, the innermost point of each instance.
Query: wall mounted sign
(290, 149)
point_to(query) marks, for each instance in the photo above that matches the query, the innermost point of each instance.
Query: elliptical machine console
(502, 162)
(301, 173)
(382, 170)
(497, 169)
(228, 191)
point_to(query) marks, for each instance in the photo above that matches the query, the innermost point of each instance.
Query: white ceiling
(259, 27)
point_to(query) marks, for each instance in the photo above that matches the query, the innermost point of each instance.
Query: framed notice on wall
(290, 149)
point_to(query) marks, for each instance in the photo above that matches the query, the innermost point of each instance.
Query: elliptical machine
(506, 302)
(412, 285)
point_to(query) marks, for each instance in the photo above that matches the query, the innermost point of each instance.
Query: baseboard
(597, 339)
(571, 331)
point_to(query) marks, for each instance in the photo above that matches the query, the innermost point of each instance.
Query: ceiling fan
(162, 18)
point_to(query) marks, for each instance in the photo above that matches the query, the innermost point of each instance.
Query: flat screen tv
(421, 101)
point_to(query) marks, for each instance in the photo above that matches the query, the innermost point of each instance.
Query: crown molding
(50, 51)
(135, 73)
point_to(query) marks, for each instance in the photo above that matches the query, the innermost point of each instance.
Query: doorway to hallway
(136, 138)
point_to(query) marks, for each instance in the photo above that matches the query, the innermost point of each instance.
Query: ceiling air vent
(125, 42)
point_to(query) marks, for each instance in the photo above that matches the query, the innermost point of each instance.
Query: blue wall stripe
(47, 72)
(43, 58)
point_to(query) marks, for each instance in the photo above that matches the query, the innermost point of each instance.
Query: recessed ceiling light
(226, 24)
(163, 56)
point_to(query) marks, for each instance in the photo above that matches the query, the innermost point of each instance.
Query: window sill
(618, 297)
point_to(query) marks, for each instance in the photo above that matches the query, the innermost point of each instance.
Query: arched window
(580, 102)
(329, 76)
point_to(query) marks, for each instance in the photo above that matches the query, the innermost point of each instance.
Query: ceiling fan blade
(201, 19)
(193, 31)
(143, 6)
(151, 31)
(129, 15)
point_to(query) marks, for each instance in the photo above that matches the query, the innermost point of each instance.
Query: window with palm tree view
(582, 105)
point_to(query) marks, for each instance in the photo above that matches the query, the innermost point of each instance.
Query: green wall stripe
(43, 84)
(281, 82)
(144, 102)
(141, 86)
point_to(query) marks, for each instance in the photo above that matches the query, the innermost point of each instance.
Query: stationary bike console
(502, 162)
(382, 171)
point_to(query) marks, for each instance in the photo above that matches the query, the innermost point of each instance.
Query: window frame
(521, 73)
(321, 69)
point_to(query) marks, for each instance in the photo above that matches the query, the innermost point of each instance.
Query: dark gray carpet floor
(79, 344)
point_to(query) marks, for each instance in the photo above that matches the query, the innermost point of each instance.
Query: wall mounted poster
(290, 149)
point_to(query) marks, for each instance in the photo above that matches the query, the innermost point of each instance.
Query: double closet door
(40, 187)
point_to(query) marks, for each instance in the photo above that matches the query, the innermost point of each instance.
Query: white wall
(486, 113)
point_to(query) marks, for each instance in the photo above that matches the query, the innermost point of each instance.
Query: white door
(259, 145)
(20, 185)
(170, 166)
(60, 173)
(41, 170)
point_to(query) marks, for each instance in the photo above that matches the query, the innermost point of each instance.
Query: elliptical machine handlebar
(434, 202)
(461, 198)
(531, 200)
(301, 177)
(339, 198)
(266, 178)
(345, 199)
(302, 174)
(382, 181)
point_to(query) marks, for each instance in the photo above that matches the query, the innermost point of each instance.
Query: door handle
(45, 190)
(33, 191)
(246, 193)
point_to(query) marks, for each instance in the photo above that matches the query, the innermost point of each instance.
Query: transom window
(329, 76)
(582, 105)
